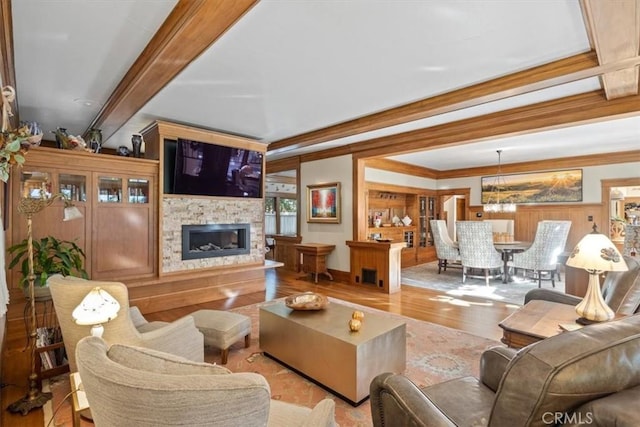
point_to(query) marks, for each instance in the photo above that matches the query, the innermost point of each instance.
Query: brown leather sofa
(620, 289)
(588, 377)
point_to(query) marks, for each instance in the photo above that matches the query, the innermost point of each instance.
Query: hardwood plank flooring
(476, 316)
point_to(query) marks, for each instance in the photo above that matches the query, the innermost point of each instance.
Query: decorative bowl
(307, 301)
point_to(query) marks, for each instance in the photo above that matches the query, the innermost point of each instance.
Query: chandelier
(496, 205)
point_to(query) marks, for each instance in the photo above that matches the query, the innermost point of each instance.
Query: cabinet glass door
(109, 189)
(138, 190)
(74, 187)
(422, 231)
(35, 184)
(431, 214)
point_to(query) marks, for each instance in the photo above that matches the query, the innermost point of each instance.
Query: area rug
(434, 354)
(450, 282)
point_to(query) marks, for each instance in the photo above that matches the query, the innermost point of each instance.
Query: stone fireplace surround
(178, 211)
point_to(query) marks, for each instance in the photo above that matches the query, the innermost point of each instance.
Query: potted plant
(50, 256)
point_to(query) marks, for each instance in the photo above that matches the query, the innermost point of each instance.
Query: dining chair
(475, 241)
(541, 258)
(446, 251)
(631, 240)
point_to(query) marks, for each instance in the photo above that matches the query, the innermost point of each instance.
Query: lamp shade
(96, 307)
(595, 252)
(71, 212)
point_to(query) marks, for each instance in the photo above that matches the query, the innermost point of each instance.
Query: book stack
(50, 358)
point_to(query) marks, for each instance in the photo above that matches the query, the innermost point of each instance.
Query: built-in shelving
(389, 206)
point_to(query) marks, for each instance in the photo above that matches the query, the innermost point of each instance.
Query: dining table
(506, 249)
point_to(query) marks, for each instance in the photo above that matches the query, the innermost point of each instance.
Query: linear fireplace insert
(215, 240)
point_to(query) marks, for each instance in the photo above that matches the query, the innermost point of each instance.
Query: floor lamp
(28, 207)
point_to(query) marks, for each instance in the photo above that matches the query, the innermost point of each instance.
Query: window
(281, 215)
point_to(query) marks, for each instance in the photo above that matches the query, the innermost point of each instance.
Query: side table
(79, 400)
(535, 321)
(314, 258)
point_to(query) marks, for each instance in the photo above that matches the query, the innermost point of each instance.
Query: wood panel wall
(526, 218)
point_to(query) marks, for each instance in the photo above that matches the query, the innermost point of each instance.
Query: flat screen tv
(216, 170)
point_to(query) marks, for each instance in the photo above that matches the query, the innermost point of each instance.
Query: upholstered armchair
(620, 289)
(541, 257)
(181, 337)
(475, 241)
(133, 386)
(591, 374)
(446, 250)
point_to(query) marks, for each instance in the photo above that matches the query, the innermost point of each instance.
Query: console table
(376, 264)
(314, 258)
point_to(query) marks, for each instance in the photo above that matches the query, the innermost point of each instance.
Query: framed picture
(559, 186)
(323, 203)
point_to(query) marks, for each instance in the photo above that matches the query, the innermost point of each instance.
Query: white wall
(336, 169)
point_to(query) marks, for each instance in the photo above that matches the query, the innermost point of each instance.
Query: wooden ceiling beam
(555, 73)
(400, 167)
(584, 108)
(191, 28)
(579, 109)
(614, 31)
(290, 163)
(531, 166)
(551, 164)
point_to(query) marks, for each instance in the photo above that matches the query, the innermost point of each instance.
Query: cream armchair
(181, 337)
(134, 386)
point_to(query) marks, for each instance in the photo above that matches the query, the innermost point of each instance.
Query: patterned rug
(434, 354)
(450, 282)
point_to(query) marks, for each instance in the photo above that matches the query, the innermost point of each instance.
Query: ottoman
(222, 328)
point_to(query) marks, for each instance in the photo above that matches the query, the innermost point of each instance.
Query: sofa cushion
(565, 371)
(618, 409)
(447, 397)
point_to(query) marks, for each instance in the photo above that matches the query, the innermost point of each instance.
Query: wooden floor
(479, 317)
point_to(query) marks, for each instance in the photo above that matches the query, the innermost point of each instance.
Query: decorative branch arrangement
(14, 144)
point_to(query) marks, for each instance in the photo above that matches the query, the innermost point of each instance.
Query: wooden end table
(79, 401)
(535, 321)
(314, 258)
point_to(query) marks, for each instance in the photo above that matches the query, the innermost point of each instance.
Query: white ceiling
(290, 67)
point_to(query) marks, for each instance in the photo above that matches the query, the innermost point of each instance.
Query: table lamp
(596, 254)
(96, 308)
